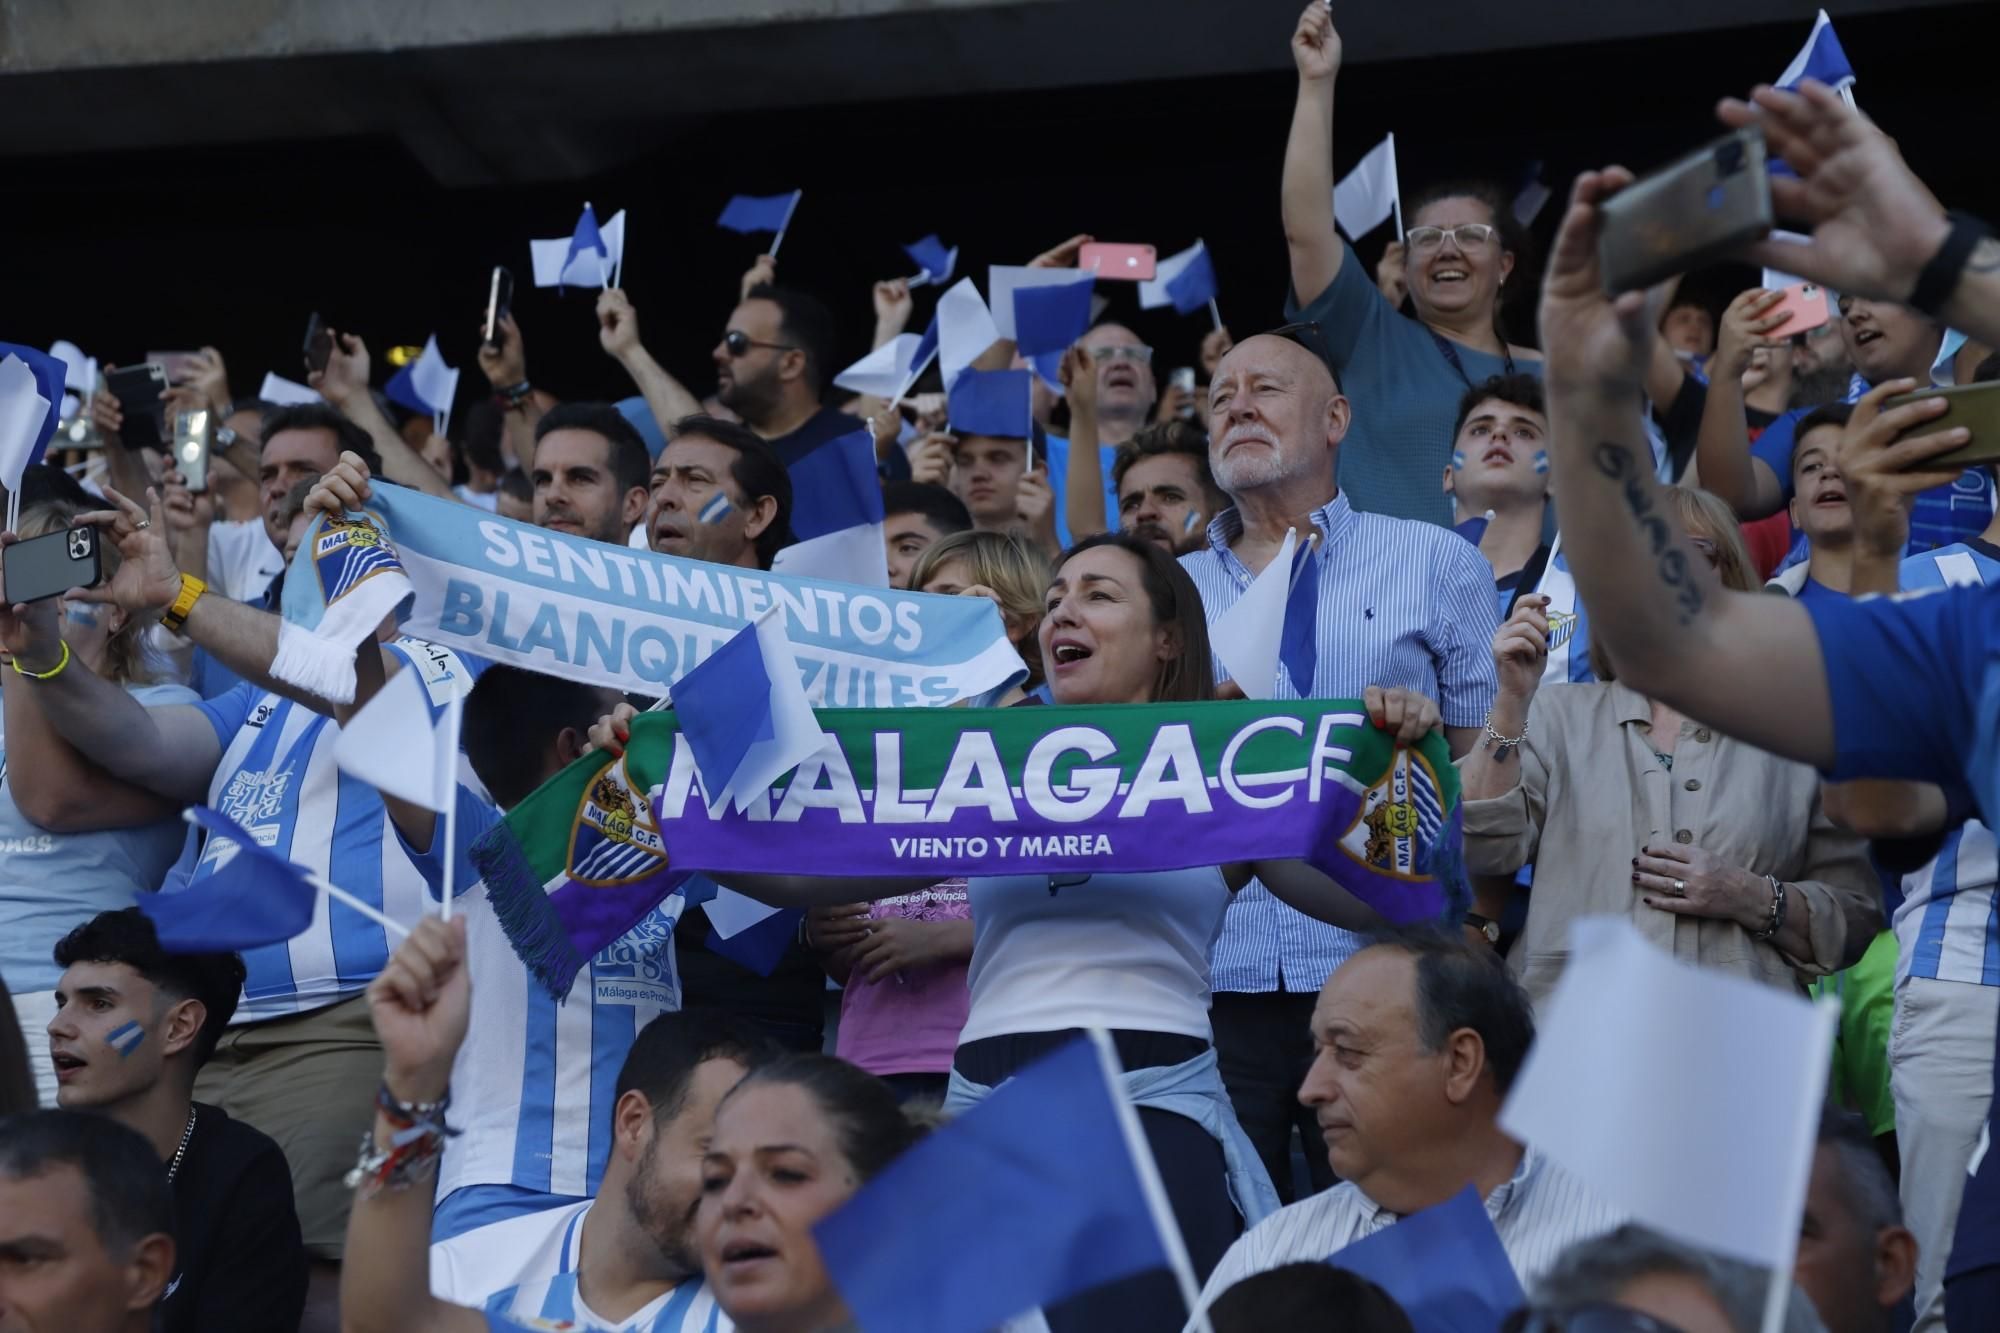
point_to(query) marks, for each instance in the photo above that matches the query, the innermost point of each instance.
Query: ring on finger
(1680, 888)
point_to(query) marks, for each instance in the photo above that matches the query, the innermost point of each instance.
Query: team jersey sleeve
(1774, 449)
(1903, 676)
(227, 711)
(475, 817)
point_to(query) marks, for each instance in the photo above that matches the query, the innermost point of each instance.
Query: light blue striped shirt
(1948, 927)
(1401, 603)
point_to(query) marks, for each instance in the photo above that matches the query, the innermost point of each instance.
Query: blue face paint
(83, 614)
(1541, 460)
(1458, 460)
(125, 1039)
(716, 509)
(1191, 522)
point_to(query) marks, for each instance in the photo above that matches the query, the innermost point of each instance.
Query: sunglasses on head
(737, 343)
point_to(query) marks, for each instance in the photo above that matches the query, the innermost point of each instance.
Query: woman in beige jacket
(1718, 852)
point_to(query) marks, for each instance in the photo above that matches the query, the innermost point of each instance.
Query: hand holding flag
(1185, 281)
(31, 396)
(426, 385)
(935, 263)
(392, 745)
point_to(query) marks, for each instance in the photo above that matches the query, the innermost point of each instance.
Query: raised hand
(1392, 277)
(892, 303)
(1521, 649)
(1593, 342)
(617, 324)
(30, 632)
(345, 488)
(1215, 345)
(346, 372)
(611, 732)
(1078, 373)
(505, 365)
(1882, 473)
(1316, 44)
(1874, 224)
(931, 458)
(1404, 714)
(1061, 256)
(147, 580)
(764, 271)
(1745, 324)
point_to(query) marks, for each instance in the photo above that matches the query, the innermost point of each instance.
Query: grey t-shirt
(1404, 391)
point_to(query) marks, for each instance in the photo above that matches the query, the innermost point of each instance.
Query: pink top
(908, 1023)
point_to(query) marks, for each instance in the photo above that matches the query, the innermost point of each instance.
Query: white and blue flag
(31, 398)
(1820, 58)
(966, 328)
(426, 385)
(589, 256)
(936, 263)
(837, 514)
(745, 714)
(889, 370)
(1185, 281)
(1048, 317)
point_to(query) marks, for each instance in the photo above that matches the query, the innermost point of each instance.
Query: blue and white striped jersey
(534, 1083)
(1401, 602)
(1948, 927)
(524, 1271)
(277, 778)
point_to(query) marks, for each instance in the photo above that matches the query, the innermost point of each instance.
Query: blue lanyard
(1451, 354)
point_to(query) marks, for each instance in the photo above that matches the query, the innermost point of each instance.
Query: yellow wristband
(55, 670)
(176, 615)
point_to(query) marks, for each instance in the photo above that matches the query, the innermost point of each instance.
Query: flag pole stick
(1215, 314)
(454, 722)
(790, 208)
(1150, 1184)
(340, 895)
(1395, 186)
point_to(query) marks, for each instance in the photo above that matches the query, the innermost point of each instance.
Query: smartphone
(1705, 206)
(178, 365)
(194, 436)
(499, 298)
(1128, 263)
(50, 565)
(319, 344)
(1973, 406)
(138, 390)
(1807, 306)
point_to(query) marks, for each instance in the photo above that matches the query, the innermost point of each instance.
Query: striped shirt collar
(1515, 1188)
(1335, 520)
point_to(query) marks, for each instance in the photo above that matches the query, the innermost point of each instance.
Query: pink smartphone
(1807, 306)
(1128, 263)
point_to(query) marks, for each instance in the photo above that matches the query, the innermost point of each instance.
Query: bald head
(1276, 419)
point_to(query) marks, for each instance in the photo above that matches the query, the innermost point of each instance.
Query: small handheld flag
(745, 714)
(426, 385)
(590, 253)
(991, 402)
(1185, 281)
(1003, 280)
(1820, 58)
(889, 370)
(1047, 319)
(749, 214)
(966, 329)
(381, 741)
(253, 897)
(1445, 1266)
(1369, 195)
(934, 262)
(1248, 636)
(1026, 1217)
(287, 393)
(837, 514)
(31, 397)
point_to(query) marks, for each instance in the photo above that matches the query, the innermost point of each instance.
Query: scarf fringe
(525, 911)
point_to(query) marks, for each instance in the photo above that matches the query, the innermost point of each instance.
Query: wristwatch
(177, 613)
(1485, 925)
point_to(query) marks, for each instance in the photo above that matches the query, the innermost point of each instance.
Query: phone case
(1807, 304)
(1974, 406)
(51, 564)
(1125, 263)
(1703, 207)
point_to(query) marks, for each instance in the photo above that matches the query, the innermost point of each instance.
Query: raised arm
(1083, 498)
(506, 369)
(344, 382)
(170, 751)
(420, 1004)
(1722, 455)
(69, 794)
(618, 333)
(1307, 197)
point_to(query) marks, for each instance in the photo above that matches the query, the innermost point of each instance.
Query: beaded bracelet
(1777, 920)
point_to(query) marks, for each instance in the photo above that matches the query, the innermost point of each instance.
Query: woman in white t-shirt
(1127, 952)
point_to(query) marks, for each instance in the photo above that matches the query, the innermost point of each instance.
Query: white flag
(23, 410)
(1684, 1096)
(435, 382)
(883, 371)
(392, 745)
(1153, 291)
(1367, 197)
(588, 268)
(965, 329)
(287, 393)
(1247, 636)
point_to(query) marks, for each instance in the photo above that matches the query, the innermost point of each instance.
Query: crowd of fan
(656, 1163)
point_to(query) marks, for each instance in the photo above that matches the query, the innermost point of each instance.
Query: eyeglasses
(1597, 1317)
(738, 342)
(1466, 235)
(1139, 355)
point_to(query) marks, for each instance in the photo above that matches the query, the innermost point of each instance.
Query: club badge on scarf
(351, 581)
(938, 793)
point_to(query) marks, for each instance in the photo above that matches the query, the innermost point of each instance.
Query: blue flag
(1298, 647)
(749, 213)
(587, 237)
(49, 376)
(1445, 1267)
(990, 402)
(1820, 58)
(1048, 319)
(1194, 286)
(255, 897)
(935, 260)
(758, 947)
(835, 486)
(1027, 1199)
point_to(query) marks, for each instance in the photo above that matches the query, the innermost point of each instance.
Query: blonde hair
(1700, 514)
(124, 652)
(1013, 569)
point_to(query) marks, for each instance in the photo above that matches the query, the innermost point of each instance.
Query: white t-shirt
(487, 500)
(241, 560)
(1116, 951)
(526, 1268)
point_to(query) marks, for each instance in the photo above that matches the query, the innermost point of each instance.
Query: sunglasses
(738, 343)
(1596, 1317)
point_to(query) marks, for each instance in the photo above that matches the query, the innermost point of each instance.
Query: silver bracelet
(1777, 920)
(1504, 745)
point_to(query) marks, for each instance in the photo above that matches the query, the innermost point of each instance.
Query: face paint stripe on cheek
(1191, 522)
(716, 509)
(125, 1038)
(1541, 460)
(1458, 459)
